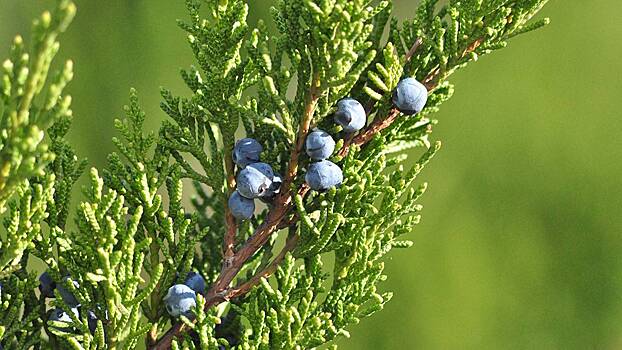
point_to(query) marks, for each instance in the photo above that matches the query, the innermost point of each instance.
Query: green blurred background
(520, 246)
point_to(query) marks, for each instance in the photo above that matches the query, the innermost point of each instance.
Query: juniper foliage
(131, 237)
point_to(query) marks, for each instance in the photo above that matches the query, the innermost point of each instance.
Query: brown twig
(474, 45)
(245, 287)
(377, 126)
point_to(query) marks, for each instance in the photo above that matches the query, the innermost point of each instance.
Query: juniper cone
(319, 145)
(196, 282)
(246, 151)
(273, 190)
(323, 175)
(59, 315)
(241, 207)
(176, 199)
(275, 187)
(67, 296)
(255, 180)
(350, 115)
(46, 285)
(180, 300)
(264, 169)
(91, 320)
(410, 96)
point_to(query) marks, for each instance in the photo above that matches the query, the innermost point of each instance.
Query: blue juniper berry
(180, 300)
(92, 318)
(410, 96)
(254, 181)
(263, 168)
(67, 296)
(46, 285)
(350, 115)
(241, 207)
(319, 145)
(246, 151)
(196, 282)
(323, 175)
(59, 315)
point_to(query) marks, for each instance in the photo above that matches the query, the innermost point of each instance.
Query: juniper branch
(133, 238)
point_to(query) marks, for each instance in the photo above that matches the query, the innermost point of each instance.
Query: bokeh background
(520, 246)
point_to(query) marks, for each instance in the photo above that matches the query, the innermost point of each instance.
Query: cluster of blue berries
(47, 286)
(323, 174)
(182, 298)
(255, 180)
(409, 97)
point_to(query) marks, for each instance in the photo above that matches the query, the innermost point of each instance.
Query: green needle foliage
(309, 264)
